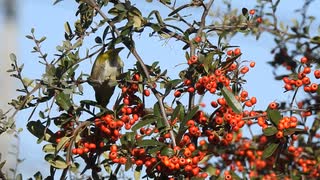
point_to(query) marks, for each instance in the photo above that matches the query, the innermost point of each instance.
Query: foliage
(180, 140)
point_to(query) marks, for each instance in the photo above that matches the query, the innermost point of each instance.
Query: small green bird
(104, 75)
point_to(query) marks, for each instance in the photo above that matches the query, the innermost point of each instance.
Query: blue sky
(48, 20)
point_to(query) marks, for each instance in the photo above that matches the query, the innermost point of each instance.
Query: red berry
(146, 92)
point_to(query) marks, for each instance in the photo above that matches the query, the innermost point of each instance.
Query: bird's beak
(117, 50)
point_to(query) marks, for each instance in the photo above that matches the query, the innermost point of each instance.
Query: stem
(73, 138)
(156, 94)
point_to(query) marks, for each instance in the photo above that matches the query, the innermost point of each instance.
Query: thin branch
(73, 138)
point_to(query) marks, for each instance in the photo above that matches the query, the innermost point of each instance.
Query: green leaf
(27, 82)
(62, 143)
(49, 148)
(137, 22)
(39, 130)
(269, 131)
(154, 150)
(244, 11)
(56, 161)
(2, 164)
(234, 176)
(74, 167)
(67, 28)
(176, 111)
(315, 40)
(208, 61)
(188, 117)
(156, 110)
(231, 100)
(170, 85)
(63, 101)
(137, 173)
(38, 176)
(128, 164)
(146, 120)
(270, 150)
(19, 177)
(13, 57)
(150, 142)
(291, 131)
(166, 151)
(274, 116)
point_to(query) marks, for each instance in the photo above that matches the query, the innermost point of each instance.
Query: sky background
(48, 20)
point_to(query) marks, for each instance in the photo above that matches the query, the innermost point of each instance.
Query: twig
(73, 138)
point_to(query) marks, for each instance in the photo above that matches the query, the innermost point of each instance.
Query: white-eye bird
(104, 75)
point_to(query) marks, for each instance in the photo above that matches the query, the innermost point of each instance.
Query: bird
(104, 75)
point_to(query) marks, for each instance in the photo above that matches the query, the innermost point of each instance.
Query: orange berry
(279, 134)
(273, 105)
(248, 103)
(146, 92)
(307, 70)
(252, 64)
(74, 151)
(253, 100)
(317, 74)
(230, 53)
(298, 83)
(237, 51)
(259, 20)
(177, 93)
(197, 39)
(252, 11)
(304, 60)
(244, 70)
(314, 87)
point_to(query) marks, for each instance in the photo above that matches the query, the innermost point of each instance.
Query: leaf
(39, 130)
(56, 161)
(176, 111)
(156, 110)
(147, 119)
(27, 82)
(19, 177)
(67, 28)
(208, 61)
(269, 131)
(13, 57)
(177, 10)
(137, 22)
(244, 11)
(274, 116)
(170, 85)
(2, 164)
(137, 173)
(62, 143)
(234, 176)
(128, 164)
(154, 150)
(166, 151)
(56, 2)
(150, 142)
(63, 101)
(291, 131)
(315, 40)
(188, 117)
(231, 100)
(49, 148)
(270, 150)
(38, 176)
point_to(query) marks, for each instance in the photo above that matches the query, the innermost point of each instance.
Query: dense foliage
(174, 138)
